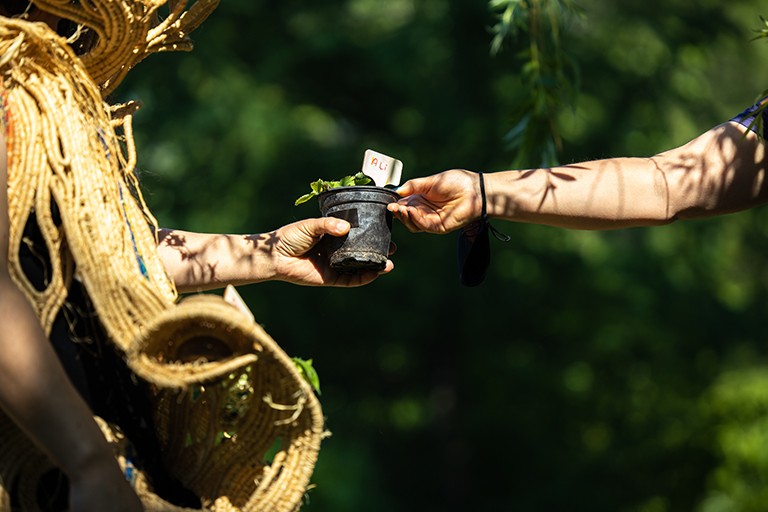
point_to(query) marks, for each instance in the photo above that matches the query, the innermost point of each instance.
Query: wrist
(252, 258)
(90, 459)
(490, 181)
(276, 263)
(472, 198)
(266, 263)
(482, 206)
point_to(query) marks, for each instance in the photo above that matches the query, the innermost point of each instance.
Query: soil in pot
(366, 245)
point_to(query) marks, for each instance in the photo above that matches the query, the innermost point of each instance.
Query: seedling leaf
(308, 372)
(320, 186)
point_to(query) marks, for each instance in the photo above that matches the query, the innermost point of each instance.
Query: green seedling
(308, 371)
(320, 186)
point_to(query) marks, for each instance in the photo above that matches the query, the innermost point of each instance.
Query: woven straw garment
(236, 422)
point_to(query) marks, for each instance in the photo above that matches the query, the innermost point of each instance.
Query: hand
(297, 262)
(102, 486)
(440, 203)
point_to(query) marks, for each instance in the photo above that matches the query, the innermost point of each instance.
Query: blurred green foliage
(592, 371)
(547, 72)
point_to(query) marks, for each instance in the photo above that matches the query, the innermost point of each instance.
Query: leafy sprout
(320, 186)
(308, 372)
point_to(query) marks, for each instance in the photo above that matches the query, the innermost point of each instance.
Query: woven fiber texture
(236, 422)
(127, 31)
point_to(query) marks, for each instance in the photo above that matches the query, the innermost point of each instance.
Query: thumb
(332, 226)
(406, 189)
(416, 186)
(305, 231)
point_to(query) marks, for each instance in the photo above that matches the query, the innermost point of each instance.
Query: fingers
(395, 208)
(405, 212)
(362, 278)
(402, 213)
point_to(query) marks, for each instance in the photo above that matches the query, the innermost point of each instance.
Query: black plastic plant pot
(366, 246)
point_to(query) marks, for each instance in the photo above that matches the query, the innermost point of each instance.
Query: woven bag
(236, 422)
(251, 426)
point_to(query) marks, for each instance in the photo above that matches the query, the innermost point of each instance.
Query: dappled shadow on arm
(205, 261)
(191, 268)
(722, 171)
(213, 260)
(550, 184)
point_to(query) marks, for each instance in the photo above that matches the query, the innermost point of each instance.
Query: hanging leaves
(549, 74)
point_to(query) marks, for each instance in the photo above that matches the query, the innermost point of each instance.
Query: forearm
(34, 389)
(201, 261)
(592, 195)
(719, 172)
(37, 394)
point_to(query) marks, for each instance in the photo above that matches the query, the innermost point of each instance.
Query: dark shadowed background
(592, 371)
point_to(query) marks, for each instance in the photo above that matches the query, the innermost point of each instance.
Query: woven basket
(236, 423)
(217, 375)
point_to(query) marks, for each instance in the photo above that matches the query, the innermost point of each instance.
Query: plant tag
(233, 298)
(382, 169)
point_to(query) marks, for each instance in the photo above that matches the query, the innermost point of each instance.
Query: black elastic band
(484, 213)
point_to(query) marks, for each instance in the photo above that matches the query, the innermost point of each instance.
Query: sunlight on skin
(198, 261)
(722, 171)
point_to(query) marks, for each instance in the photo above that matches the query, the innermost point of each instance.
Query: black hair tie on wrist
(474, 245)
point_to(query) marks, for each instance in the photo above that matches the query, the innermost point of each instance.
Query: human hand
(440, 203)
(298, 261)
(102, 486)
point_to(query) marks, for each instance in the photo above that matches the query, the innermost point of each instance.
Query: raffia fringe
(216, 377)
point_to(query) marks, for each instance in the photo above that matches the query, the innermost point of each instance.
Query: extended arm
(199, 261)
(721, 171)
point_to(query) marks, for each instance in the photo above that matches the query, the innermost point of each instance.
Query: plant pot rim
(352, 188)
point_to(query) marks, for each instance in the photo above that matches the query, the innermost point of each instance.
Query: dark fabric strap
(474, 247)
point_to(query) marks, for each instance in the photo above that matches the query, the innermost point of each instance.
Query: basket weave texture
(236, 422)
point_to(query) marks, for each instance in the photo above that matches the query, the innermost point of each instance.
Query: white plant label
(382, 169)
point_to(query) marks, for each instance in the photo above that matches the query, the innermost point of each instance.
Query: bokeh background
(592, 371)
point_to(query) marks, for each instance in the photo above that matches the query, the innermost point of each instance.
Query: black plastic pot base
(356, 261)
